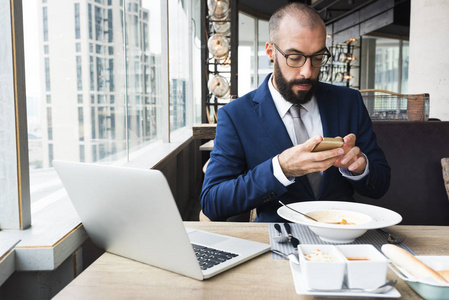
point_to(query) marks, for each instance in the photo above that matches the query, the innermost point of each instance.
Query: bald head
(303, 14)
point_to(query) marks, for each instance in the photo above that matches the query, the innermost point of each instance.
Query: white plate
(379, 217)
(301, 289)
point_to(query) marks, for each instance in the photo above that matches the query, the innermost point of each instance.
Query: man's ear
(269, 51)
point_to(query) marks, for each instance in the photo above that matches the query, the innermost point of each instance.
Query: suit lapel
(270, 119)
(275, 128)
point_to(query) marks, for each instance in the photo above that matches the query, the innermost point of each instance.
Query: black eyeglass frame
(323, 62)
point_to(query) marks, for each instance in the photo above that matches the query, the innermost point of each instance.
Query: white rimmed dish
(366, 217)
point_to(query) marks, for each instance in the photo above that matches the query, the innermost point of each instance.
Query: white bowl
(321, 275)
(426, 289)
(366, 267)
(363, 216)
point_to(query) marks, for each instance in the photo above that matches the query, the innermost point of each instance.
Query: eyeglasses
(298, 60)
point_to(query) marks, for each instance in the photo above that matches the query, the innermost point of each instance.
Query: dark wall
(414, 151)
(183, 170)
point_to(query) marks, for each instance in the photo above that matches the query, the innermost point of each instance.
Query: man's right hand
(299, 160)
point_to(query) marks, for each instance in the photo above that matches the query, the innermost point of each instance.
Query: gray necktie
(301, 137)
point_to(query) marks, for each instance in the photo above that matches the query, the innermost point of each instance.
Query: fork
(291, 256)
(391, 238)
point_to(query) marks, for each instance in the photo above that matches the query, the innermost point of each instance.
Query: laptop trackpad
(204, 238)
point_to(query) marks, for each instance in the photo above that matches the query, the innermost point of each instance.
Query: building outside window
(120, 45)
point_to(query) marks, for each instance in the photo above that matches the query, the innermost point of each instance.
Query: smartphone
(328, 144)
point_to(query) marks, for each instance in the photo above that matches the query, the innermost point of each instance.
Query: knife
(294, 241)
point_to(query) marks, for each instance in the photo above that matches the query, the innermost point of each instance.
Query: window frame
(21, 218)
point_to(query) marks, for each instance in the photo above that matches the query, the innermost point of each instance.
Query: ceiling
(334, 10)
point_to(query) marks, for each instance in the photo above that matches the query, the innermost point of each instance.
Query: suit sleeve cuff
(277, 172)
(348, 174)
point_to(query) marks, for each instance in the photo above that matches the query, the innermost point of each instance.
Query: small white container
(322, 275)
(366, 266)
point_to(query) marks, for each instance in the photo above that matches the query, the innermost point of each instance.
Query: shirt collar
(283, 106)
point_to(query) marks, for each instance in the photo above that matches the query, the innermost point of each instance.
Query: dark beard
(286, 87)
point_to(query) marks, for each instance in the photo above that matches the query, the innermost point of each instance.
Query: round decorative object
(324, 75)
(222, 26)
(219, 86)
(345, 57)
(218, 45)
(218, 9)
(338, 77)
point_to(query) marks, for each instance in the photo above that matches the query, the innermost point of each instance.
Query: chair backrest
(384, 105)
(414, 151)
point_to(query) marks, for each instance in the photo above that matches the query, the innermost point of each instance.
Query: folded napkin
(306, 236)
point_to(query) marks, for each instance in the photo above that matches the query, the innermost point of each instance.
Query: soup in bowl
(338, 226)
(340, 217)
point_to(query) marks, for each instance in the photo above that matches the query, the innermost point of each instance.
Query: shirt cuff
(348, 174)
(277, 172)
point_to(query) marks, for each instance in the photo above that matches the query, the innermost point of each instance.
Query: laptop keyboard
(209, 257)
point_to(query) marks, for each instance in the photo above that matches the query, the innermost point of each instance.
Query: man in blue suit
(258, 157)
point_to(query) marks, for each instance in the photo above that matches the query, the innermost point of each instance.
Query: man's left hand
(353, 159)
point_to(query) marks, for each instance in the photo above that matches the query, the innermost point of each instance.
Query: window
(45, 23)
(179, 69)
(391, 63)
(49, 124)
(110, 27)
(79, 75)
(98, 23)
(254, 64)
(81, 124)
(47, 74)
(82, 157)
(8, 158)
(77, 21)
(124, 84)
(91, 73)
(89, 17)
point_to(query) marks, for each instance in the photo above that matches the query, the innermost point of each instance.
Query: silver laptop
(131, 212)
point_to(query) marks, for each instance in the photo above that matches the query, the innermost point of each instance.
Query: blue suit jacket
(250, 133)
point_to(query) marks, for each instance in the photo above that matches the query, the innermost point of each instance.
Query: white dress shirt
(312, 121)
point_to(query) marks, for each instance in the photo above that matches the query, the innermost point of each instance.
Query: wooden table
(114, 277)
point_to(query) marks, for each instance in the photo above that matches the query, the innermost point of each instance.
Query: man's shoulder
(246, 100)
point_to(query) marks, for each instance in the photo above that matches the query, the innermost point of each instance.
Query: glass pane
(143, 60)
(76, 92)
(265, 66)
(179, 62)
(387, 64)
(94, 83)
(8, 158)
(247, 80)
(405, 58)
(196, 60)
